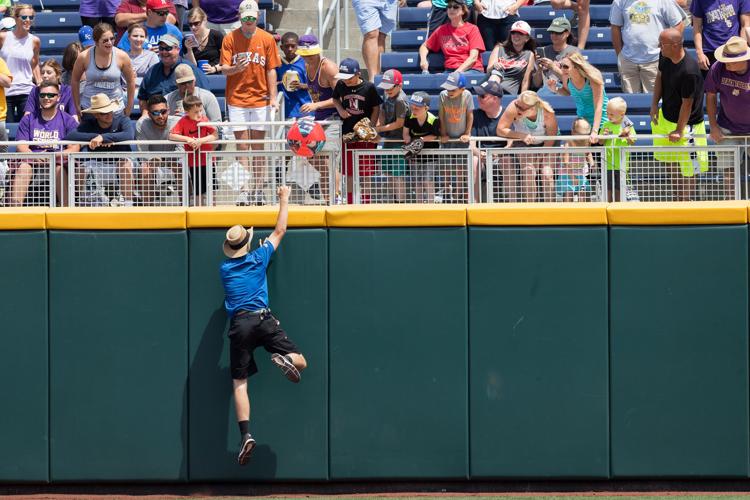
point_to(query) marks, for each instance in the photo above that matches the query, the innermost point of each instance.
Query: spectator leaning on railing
(155, 126)
(47, 123)
(394, 110)
(458, 40)
(484, 124)
(729, 79)
(636, 25)
(292, 77)
(679, 85)
(106, 129)
(526, 120)
(422, 126)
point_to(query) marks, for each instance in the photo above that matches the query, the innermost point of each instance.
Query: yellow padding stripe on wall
(537, 214)
(254, 216)
(116, 218)
(396, 216)
(22, 218)
(675, 214)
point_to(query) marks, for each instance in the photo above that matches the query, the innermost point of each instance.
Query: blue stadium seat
(12, 128)
(402, 40)
(539, 16)
(413, 17)
(603, 59)
(642, 123)
(217, 84)
(55, 43)
(611, 81)
(49, 22)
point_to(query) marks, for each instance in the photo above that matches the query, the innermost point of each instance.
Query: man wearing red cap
(135, 11)
(156, 26)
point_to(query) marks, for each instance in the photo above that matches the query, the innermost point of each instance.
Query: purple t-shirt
(222, 11)
(34, 128)
(65, 101)
(98, 8)
(721, 20)
(734, 96)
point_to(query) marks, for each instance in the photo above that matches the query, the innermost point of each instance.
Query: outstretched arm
(281, 221)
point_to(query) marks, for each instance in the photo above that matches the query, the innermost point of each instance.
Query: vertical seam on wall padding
(609, 351)
(468, 358)
(49, 365)
(328, 352)
(747, 352)
(186, 451)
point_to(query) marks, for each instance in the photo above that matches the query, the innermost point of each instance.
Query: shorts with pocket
(376, 15)
(247, 115)
(248, 331)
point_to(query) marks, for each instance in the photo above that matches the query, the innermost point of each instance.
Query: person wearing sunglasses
(20, 50)
(136, 11)
(221, 15)
(52, 72)
(156, 26)
(249, 58)
(162, 77)
(104, 67)
(46, 124)
(459, 41)
(155, 126)
(202, 43)
(438, 15)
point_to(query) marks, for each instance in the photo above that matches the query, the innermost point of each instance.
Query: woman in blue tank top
(585, 84)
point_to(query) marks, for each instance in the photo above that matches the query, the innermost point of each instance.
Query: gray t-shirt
(455, 112)
(641, 21)
(145, 130)
(141, 64)
(550, 53)
(512, 68)
(394, 109)
(210, 103)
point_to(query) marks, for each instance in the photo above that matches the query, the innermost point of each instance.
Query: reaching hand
(283, 193)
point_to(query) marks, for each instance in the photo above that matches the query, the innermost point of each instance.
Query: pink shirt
(456, 43)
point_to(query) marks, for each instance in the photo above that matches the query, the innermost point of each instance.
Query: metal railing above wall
(455, 172)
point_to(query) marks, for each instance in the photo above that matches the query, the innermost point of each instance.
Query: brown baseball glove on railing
(363, 132)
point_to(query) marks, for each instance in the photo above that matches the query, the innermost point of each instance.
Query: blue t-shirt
(244, 279)
(152, 37)
(293, 100)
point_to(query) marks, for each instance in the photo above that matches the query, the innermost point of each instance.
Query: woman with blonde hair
(585, 84)
(52, 72)
(526, 120)
(20, 49)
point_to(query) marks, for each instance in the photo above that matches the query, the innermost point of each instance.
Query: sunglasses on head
(195, 24)
(161, 12)
(26, 18)
(47, 95)
(158, 112)
(249, 19)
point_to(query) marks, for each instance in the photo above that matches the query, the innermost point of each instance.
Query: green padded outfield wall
(398, 353)
(289, 421)
(679, 351)
(538, 348)
(23, 357)
(118, 349)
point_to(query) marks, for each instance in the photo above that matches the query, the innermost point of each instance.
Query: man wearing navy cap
(355, 99)
(489, 94)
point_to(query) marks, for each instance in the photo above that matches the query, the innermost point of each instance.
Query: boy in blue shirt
(251, 323)
(292, 77)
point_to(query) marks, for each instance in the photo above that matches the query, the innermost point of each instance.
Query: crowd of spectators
(133, 51)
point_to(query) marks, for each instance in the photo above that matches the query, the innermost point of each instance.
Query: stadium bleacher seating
(57, 23)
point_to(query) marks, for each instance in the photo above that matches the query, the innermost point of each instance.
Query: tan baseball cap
(183, 73)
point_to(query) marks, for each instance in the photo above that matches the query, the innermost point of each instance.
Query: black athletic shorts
(248, 331)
